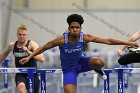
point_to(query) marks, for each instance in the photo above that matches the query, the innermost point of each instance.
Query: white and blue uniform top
(71, 54)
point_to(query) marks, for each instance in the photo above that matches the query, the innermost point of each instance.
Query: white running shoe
(101, 73)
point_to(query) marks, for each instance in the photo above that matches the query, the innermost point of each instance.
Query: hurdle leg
(43, 81)
(6, 61)
(125, 75)
(120, 81)
(6, 80)
(30, 81)
(106, 82)
(125, 80)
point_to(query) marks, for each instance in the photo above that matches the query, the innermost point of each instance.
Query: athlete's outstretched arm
(56, 42)
(109, 41)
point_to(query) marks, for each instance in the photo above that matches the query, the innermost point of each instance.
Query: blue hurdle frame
(43, 77)
(5, 64)
(121, 72)
(106, 82)
(44, 71)
(30, 72)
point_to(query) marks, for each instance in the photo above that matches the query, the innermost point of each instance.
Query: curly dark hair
(75, 18)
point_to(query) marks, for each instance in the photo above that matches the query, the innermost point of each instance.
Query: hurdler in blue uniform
(72, 60)
(71, 47)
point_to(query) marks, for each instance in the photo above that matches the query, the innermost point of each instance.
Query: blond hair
(22, 27)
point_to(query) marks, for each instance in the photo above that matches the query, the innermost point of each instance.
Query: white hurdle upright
(121, 72)
(30, 72)
(44, 71)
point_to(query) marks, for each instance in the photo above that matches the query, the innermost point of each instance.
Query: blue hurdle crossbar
(30, 72)
(121, 72)
(44, 71)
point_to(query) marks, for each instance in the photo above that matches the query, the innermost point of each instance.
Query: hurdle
(30, 72)
(5, 64)
(44, 71)
(121, 72)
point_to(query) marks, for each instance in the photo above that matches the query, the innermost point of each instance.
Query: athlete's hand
(134, 44)
(24, 60)
(26, 49)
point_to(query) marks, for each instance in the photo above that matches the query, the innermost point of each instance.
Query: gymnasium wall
(45, 25)
(66, 4)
